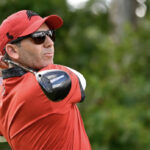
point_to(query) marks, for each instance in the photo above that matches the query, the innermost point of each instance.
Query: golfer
(38, 98)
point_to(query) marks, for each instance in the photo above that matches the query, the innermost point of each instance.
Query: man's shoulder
(54, 66)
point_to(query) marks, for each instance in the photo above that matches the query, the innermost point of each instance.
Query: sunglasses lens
(51, 34)
(39, 37)
(39, 40)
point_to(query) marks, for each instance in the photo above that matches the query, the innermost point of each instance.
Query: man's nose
(48, 42)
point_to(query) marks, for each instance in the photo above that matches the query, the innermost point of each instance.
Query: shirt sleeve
(81, 81)
(78, 85)
(1, 133)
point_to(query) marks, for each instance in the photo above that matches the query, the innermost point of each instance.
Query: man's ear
(12, 51)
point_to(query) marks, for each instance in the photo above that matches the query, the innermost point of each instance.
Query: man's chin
(45, 65)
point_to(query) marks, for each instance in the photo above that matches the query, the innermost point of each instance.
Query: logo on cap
(9, 36)
(30, 14)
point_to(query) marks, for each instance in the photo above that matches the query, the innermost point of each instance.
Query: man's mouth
(49, 54)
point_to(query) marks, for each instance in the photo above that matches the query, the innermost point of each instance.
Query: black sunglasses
(37, 37)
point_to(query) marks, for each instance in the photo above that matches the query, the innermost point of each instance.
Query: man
(38, 99)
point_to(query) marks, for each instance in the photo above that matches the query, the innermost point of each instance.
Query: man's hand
(2, 139)
(3, 65)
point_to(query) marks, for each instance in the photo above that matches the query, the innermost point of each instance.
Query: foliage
(116, 109)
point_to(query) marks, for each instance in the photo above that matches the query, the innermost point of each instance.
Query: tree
(116, 109)
(122, 12)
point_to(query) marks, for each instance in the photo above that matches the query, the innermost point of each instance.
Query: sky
(76, 3)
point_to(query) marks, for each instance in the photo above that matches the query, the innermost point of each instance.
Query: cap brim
(53, 21)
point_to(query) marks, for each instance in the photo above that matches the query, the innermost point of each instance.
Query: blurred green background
(108, 42)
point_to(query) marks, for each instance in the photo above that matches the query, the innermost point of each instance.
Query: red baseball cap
(23, 23)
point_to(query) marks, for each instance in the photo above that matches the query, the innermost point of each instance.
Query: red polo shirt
(31, 121)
